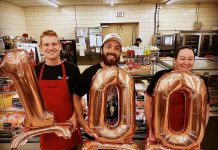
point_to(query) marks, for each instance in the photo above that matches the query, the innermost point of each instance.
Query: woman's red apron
(177, 113)
(57, 100)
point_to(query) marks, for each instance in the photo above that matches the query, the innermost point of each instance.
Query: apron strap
(63, 70)
(41, 72)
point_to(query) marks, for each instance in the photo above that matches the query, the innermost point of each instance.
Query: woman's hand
(151, 136)
(198, 147)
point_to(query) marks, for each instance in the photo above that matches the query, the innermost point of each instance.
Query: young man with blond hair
(56, 80)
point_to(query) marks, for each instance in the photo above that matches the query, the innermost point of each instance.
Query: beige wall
(182, 17)
(62, 20)
(12, 19)
(172, 17)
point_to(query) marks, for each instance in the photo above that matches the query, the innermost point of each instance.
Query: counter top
(145, 72)
(202, 66)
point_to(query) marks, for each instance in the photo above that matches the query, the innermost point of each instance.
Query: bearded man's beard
(109, 62)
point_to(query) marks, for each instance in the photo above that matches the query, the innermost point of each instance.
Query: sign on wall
(120, 14)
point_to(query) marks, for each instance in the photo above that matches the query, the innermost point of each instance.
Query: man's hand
(74, 122)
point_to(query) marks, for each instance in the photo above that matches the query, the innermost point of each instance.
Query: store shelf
(214, 113)
(4, 77)
(7, 135)
(12, 92)
(12, 109)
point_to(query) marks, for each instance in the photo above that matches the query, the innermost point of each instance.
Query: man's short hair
(47, 33)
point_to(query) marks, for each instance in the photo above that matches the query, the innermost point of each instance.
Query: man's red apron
(57, 99)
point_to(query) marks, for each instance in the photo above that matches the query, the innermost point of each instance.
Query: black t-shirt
(158, 75)
(55, 73)
(85, 80)
(154, 80)
(136, 44)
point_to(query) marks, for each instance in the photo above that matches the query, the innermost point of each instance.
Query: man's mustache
(111, 54)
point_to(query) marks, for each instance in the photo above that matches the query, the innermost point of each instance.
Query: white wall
(12, 20)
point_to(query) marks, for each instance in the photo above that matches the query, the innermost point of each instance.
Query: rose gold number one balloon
(38, 121)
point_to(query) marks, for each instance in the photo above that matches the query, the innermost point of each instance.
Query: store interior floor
(35, 146)
(209, 142)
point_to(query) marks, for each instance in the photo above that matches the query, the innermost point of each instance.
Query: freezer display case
(209, 44)
(68, 52)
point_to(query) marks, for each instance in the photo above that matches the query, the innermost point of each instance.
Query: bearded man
(110, 54)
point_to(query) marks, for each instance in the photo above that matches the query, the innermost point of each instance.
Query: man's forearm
(80, 117)
(78, 109)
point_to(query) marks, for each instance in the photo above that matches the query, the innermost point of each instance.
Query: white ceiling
(30, 3)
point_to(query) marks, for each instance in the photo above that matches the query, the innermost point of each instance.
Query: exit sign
(120, 14)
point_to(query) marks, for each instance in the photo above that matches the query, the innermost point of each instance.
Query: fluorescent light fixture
(112, 2)
(53, 3)
(169, 2)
